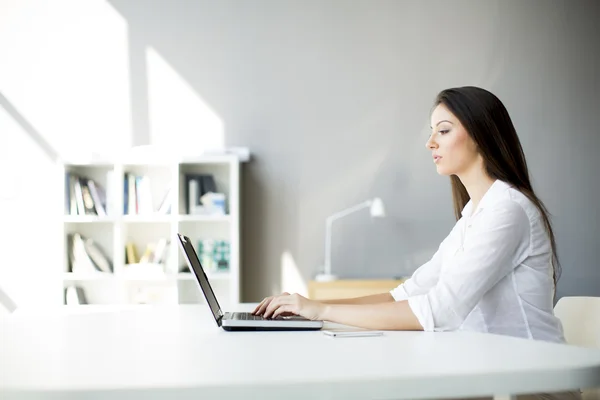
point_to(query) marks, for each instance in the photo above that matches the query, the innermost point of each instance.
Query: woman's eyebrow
(444, 120)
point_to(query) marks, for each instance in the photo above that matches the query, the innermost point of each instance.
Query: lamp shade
(377, 208)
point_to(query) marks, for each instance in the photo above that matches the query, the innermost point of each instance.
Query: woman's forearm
(372, 299)
(395, 315)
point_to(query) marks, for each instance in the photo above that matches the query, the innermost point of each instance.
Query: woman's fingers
(276, 304)
(273, 306)
(257, 307)
(283, 310)
(262, 307)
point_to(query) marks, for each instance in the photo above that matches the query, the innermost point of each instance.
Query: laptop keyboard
(242, 316)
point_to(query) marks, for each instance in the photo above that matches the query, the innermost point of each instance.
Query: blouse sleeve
(496, 244)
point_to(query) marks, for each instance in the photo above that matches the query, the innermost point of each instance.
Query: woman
(497, 270)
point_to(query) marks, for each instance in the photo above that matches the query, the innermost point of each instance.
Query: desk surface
(167, 351)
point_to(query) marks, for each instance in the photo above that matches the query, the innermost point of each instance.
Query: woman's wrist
(324, 311)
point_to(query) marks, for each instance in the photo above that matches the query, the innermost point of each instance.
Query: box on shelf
(214, 255)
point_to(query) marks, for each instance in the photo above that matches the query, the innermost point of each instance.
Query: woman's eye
(443, 132)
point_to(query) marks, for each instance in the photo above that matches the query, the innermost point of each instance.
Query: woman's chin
(442, 171)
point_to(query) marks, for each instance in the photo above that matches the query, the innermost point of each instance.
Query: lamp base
(325, 278)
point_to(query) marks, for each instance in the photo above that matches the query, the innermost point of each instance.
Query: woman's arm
(395, 315)
(372, 299)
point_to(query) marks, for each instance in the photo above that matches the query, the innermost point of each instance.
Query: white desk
(178, 352)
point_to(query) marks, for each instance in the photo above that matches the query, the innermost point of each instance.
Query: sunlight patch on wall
(64, 66)
(291, 279)
(179, 118)
(30, 204)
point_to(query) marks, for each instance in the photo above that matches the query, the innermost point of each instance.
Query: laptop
(239, 321)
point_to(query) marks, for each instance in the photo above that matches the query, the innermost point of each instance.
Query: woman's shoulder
(518, 198)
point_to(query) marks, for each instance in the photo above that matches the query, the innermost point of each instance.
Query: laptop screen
(194, 264)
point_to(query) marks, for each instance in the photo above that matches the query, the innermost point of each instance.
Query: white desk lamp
(377, 210)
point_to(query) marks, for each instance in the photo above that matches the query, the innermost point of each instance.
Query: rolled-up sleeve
(498, 242)
(423, 279)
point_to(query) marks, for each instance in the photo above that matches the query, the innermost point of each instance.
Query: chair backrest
(6, 302)
(580, 317)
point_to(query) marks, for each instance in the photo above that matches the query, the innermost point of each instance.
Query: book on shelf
(85, 256)
(84, 196)
(137, 196)
(97, 195)
(167, 201)
(154, 253)
(131, 256)
(75, 295)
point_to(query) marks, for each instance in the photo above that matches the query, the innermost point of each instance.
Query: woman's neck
(477, 183)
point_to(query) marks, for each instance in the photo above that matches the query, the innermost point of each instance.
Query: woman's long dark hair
(487, 122)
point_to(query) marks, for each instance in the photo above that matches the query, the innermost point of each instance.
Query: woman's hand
(287, 304)
(262, 307)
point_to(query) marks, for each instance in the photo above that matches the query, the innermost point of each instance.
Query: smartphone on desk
(342, 333)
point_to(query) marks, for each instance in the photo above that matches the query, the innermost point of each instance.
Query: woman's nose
(431, 144)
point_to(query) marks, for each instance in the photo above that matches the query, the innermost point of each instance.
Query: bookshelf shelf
(151, 218)
(214, 276)
(164, 188)
(100, 276)
(87, 219)
(203, 218)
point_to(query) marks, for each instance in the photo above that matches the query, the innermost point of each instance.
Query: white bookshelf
(168, 283)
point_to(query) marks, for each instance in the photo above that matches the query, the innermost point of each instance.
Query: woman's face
(454, 151)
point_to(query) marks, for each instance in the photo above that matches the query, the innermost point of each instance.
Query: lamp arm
(329, 225)
(349, 210)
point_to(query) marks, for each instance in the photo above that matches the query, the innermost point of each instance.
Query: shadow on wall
(29, 198)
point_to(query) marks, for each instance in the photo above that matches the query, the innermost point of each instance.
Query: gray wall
(333, 99)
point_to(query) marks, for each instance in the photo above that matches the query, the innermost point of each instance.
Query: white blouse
(493, 273)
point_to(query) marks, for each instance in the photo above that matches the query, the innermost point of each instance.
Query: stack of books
(137, 196)
(155, 253)
(84, 196)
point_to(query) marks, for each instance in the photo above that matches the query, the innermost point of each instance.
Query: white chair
(580, 317)
(6, 302)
